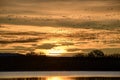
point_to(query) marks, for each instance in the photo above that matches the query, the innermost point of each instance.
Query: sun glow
(56, 52)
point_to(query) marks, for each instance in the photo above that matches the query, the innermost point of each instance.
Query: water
(61, 75)
(64, 78)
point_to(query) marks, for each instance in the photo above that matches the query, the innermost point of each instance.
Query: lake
(60, 75)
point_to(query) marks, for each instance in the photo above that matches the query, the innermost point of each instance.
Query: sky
(59, 27)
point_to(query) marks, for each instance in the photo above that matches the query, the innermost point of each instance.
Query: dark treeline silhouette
(10, 54)
(93, 53)
(94, 61)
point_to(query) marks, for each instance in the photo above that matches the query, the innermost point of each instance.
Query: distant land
(19, 62)
(59, 35)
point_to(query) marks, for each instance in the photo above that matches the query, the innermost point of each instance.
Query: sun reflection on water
(58, 78)
(54, 78)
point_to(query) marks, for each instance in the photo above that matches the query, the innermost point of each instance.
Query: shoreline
(30, 74)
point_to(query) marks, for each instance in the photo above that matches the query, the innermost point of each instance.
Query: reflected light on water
(58, 78)
(54, 78)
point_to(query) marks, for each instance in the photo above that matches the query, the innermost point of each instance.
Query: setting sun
(56, 52)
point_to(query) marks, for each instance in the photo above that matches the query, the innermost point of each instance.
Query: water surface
(60, 75)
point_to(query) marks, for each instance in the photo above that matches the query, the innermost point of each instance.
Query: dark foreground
(43, 63)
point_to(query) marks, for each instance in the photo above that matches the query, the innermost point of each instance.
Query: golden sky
(59, 26)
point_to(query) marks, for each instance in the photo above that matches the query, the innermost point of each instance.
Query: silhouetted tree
(35, 54)
(80, 55)
(96, 53)
(41, 53)
(116, 55)
(31, 54)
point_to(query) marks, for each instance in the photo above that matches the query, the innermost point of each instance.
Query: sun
(56, 52)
